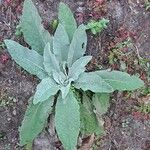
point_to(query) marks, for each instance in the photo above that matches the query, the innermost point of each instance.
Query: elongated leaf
(89, 122)
(46, 88)
(34, 33)
(101, 102)
(92, 123)
(67, 121)
(78, 45)
(61, 43)
(120, 80)
(78, 67)
(34, 120)
(91, 81)
(59, 77)
(65, 90)
(66, 18)
(30, 60)
(50, 61)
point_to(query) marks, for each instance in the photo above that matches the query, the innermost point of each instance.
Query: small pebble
(14, 112)
(81, 9)
(80, 3)
(14, 100)
(8, 119)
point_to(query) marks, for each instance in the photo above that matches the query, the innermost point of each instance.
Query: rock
(43, 143)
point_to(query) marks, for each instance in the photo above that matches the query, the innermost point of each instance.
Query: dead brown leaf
(88, 143)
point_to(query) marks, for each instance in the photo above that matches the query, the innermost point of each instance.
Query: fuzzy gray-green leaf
(61, 43)
(67, 121)
(91, 81)
(101, 102)
(78, 45)
(34, 33)
(46, 88)
(59, 77)
(66, 18)
(120, 80)
(65, 90)
(34, 120)
(89, 122)
(78, 67)
(50, 61)
(30, 60)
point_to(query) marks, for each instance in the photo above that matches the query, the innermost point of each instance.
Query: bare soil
(126, 129)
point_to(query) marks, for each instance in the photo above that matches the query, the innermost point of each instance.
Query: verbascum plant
(59, 62)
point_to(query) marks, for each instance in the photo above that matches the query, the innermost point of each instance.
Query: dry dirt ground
(126, 128)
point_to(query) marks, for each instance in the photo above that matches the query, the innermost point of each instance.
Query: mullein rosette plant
(77, 98)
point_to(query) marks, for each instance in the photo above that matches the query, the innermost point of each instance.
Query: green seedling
(97, 26)
(18, 32)
(2, 135)
(145, 91)
(77, 98)
(117, 52)
(54, 25)
(147, 4)
(127, 43)
(28, 146)
(125, 123)
(144, 108)
(145, 64)
(2, 45)
(5, 100)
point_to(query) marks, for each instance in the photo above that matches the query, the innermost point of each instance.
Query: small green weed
(5, 100)
(117, 52)
(2, 135)
(144, 108)
(125, 44)
(97, 26)
(147, 4)
(2, 45)
(18, 32)
(145, 91)
(53, 25)
(145, 63)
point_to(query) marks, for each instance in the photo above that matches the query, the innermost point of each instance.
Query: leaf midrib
(29, 61)
(113, 80)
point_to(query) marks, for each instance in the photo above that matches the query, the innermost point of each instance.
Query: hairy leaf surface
(91, 81)
(78, 67)
(34, 33)
(78, 45)
(30, 60)
(120, 80)
(89, 122)
(101, 102)
(34, 120)
(66, 18)
(65, 90)
(46, 88)
(61, 43)
(50, 61)
(59, 77)
(67, 120)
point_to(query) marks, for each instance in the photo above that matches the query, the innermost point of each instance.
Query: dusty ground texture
(128, 19)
